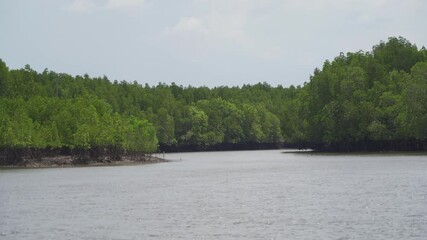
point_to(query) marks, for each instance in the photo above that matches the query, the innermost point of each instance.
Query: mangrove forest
(359, 101)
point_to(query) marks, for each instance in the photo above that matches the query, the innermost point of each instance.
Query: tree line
(371, 100)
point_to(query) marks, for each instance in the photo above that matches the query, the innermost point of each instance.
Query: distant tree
(165, 126)
(4, 75)
(397, 54)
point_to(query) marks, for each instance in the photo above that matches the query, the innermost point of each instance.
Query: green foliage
(252, 124)
(224, 120)
(377, 96)
(363, 96)
(4, 76)
(413, 109)
(197, 129)
(397, 54)
(140, 136)
(165, 126)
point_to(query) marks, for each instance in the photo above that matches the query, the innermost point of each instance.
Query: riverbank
(69, 161)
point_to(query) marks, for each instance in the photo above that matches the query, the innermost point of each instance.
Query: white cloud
(269, 29)
(320, 5)
(124, 4)
(365, 18)
(86, 6)
(224, 24)
(215, 26)
(229, 27)
(188, 25)
(82, 6)
(272, 53)
(217, 21)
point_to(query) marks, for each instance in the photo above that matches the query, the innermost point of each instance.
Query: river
(222, 195)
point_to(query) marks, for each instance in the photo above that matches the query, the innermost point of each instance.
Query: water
(223, 195)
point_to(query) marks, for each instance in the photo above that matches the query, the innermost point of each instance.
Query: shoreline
(65, 161)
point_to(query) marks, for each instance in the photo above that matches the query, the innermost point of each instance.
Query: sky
(199, 42)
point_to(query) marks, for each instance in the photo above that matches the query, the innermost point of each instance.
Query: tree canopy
(356, 101)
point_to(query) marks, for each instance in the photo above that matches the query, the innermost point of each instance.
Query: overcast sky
(199, 42)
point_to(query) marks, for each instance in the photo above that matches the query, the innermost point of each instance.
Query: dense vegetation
(360, 101)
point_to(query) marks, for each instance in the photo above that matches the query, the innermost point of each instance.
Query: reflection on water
(223, 195)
